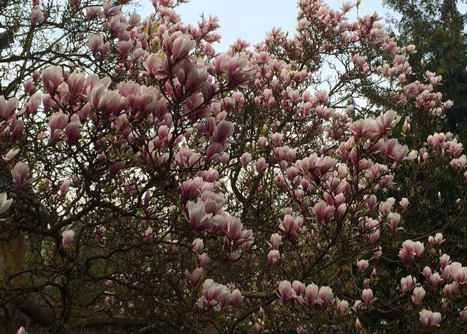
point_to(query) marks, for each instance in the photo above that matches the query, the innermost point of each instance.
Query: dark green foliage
(437, 29)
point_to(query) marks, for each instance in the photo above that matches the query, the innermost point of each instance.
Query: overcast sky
(251, 19)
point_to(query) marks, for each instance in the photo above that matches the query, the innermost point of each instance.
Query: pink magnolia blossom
(215, 294)
(236, 298)
(366, 283)
(223, 130)
(64, 187)
(195, 277)
(245, 158)
(192, 187)
(234, 228)
(19, 174)
(48, 103)
(157, 66)
(198, 219)
(261, 164)
(4, 203)
(285, 291)
(357, 306)
(393, 220)
(182, 45)
(301, 330)
(17, 127)
(405, 256)
(273, 256)
(410, 250)
(267, 93)
(358, 326)
(311, 294)
(95, 42)
(123, 48)
(135, 19)
(463, 314)
(36, 15)
(374, 236)
(115, 168)
(448, 104)
(450, 271)
(236, 67)
(7, 108)
(198, 245)
(342, 306)
(298, 287)
(262, 142)
(325, 296)
(399, 153)
(418, 248)
(444, 261)
(258, 328)
(367, 296)
(418, 295)
(100, 233)
(450, 289)
(323, 212)
(213, 151)
(408, 283)
(378, 253)
(58, 121)
(21, 330)
(427, 272)
(386, 121)
(73, 131)
(371, 201)
(287, 223)
(276, 139)
(33, 104)
(386, 206)
(363, 128)
(174, 114)
(101, 99)
(435, 279)
(439, 238)
(460, 275)
(213, 201)
(52, 77)
(362, 265)
(275, 240)
(93, 11)
(203, 260)
(67, 237)
(430, 319)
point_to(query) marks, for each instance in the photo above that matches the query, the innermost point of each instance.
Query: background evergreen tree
(437, 29)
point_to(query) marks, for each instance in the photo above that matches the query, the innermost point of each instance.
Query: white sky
(251, 19)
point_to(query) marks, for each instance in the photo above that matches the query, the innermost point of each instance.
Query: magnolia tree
(244, 192)
(35, 34)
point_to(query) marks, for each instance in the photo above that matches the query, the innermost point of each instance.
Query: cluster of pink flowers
(206, 213)
(292, 293)
(218, 296)
(213, 161)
